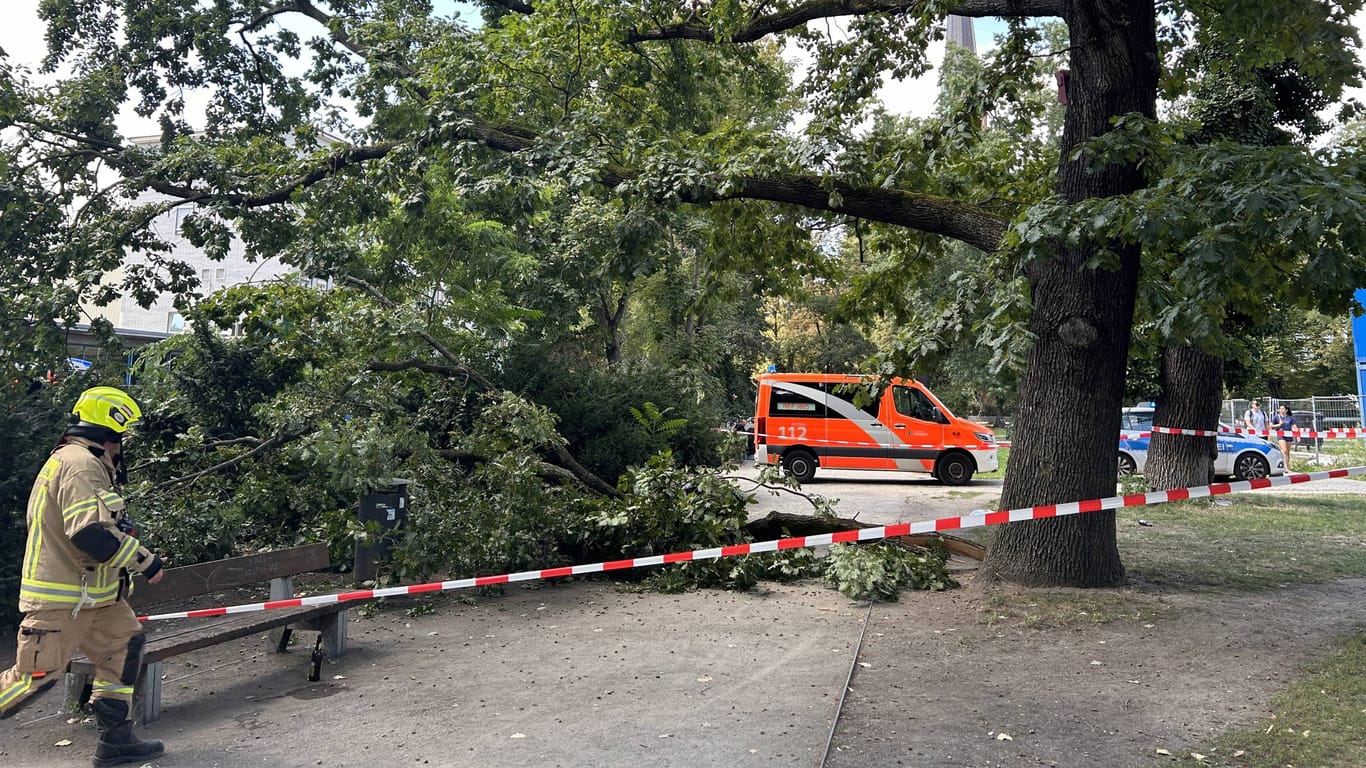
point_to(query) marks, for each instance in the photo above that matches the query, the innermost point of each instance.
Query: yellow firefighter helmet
(107, 407)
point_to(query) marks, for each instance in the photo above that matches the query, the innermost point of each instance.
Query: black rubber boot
(117, 744)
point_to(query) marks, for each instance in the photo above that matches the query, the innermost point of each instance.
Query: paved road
(879, 498)
(885, 498)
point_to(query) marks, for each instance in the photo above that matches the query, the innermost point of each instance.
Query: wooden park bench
(164, 642)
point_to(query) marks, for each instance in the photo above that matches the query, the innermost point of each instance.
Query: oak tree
(650, 100)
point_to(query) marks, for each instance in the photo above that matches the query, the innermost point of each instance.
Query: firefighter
(78, 560)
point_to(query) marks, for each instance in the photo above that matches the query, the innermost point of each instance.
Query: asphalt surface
(569, 675)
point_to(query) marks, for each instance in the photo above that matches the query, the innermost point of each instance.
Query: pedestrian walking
(1255, 418)
(1284, 424)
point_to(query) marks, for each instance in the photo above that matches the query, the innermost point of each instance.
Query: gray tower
(960, 32)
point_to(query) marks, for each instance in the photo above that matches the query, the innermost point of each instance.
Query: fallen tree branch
(465, 458)
(458, 367)
(780, 524)
(207, 446)
(261, 448)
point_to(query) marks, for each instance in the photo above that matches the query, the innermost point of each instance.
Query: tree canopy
(539, 166)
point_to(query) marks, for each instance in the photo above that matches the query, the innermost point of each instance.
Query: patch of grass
(1002, 456)
(966, 494)
(1063, 608)
(1320, 721)
(1338, 453)
(1246, 541)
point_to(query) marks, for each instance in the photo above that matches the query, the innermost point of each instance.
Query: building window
(175, 322)
(212, 280)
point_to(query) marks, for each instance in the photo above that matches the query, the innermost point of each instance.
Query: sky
(21, 36)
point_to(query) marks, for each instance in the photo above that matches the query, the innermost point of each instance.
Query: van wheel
(954, 469)
(800, 464)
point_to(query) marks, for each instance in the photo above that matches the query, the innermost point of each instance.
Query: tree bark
(611, 312)
(776, 525)
(1191, 399)
(1074, 381)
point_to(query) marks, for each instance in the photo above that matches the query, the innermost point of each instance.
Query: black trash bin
(386, 506)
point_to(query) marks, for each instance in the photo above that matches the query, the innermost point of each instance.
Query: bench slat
(160, 647)
(206, 578)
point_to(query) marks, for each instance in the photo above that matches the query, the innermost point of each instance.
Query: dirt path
(938, 681)
(940, 684)
(583, 674)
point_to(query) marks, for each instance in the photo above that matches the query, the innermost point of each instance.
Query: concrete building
(960, 32)
(162, 317)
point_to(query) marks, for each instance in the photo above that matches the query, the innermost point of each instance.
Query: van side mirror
(938, 416)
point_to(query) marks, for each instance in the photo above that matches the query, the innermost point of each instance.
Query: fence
(1317, 413)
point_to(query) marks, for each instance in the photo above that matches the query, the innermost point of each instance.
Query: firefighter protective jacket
(76, 555)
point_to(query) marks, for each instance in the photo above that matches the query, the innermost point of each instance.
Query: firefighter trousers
(109, 635)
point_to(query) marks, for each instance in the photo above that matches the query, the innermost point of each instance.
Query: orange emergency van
(810, 420)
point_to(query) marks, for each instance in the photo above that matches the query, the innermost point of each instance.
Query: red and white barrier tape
(1287, 433)
(973, 520)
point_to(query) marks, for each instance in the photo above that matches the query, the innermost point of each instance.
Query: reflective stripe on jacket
(74, 490)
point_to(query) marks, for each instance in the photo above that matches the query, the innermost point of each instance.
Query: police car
(1242, 457)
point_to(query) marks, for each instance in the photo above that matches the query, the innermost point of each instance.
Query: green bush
(30, 425)
(495, 512)
(594, 411)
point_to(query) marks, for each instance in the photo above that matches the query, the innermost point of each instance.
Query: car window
(913, 403)
(782, 403)
(1138, 421)
(855, 393)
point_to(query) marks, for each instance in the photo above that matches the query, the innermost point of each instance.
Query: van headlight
(988, 439)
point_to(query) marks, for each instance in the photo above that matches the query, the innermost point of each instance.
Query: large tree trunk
(1072, 389)
(1192, 398)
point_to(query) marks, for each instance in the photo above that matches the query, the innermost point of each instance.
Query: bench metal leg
(333, 628)
(147, 693)
(78, 685)
(281, 588)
